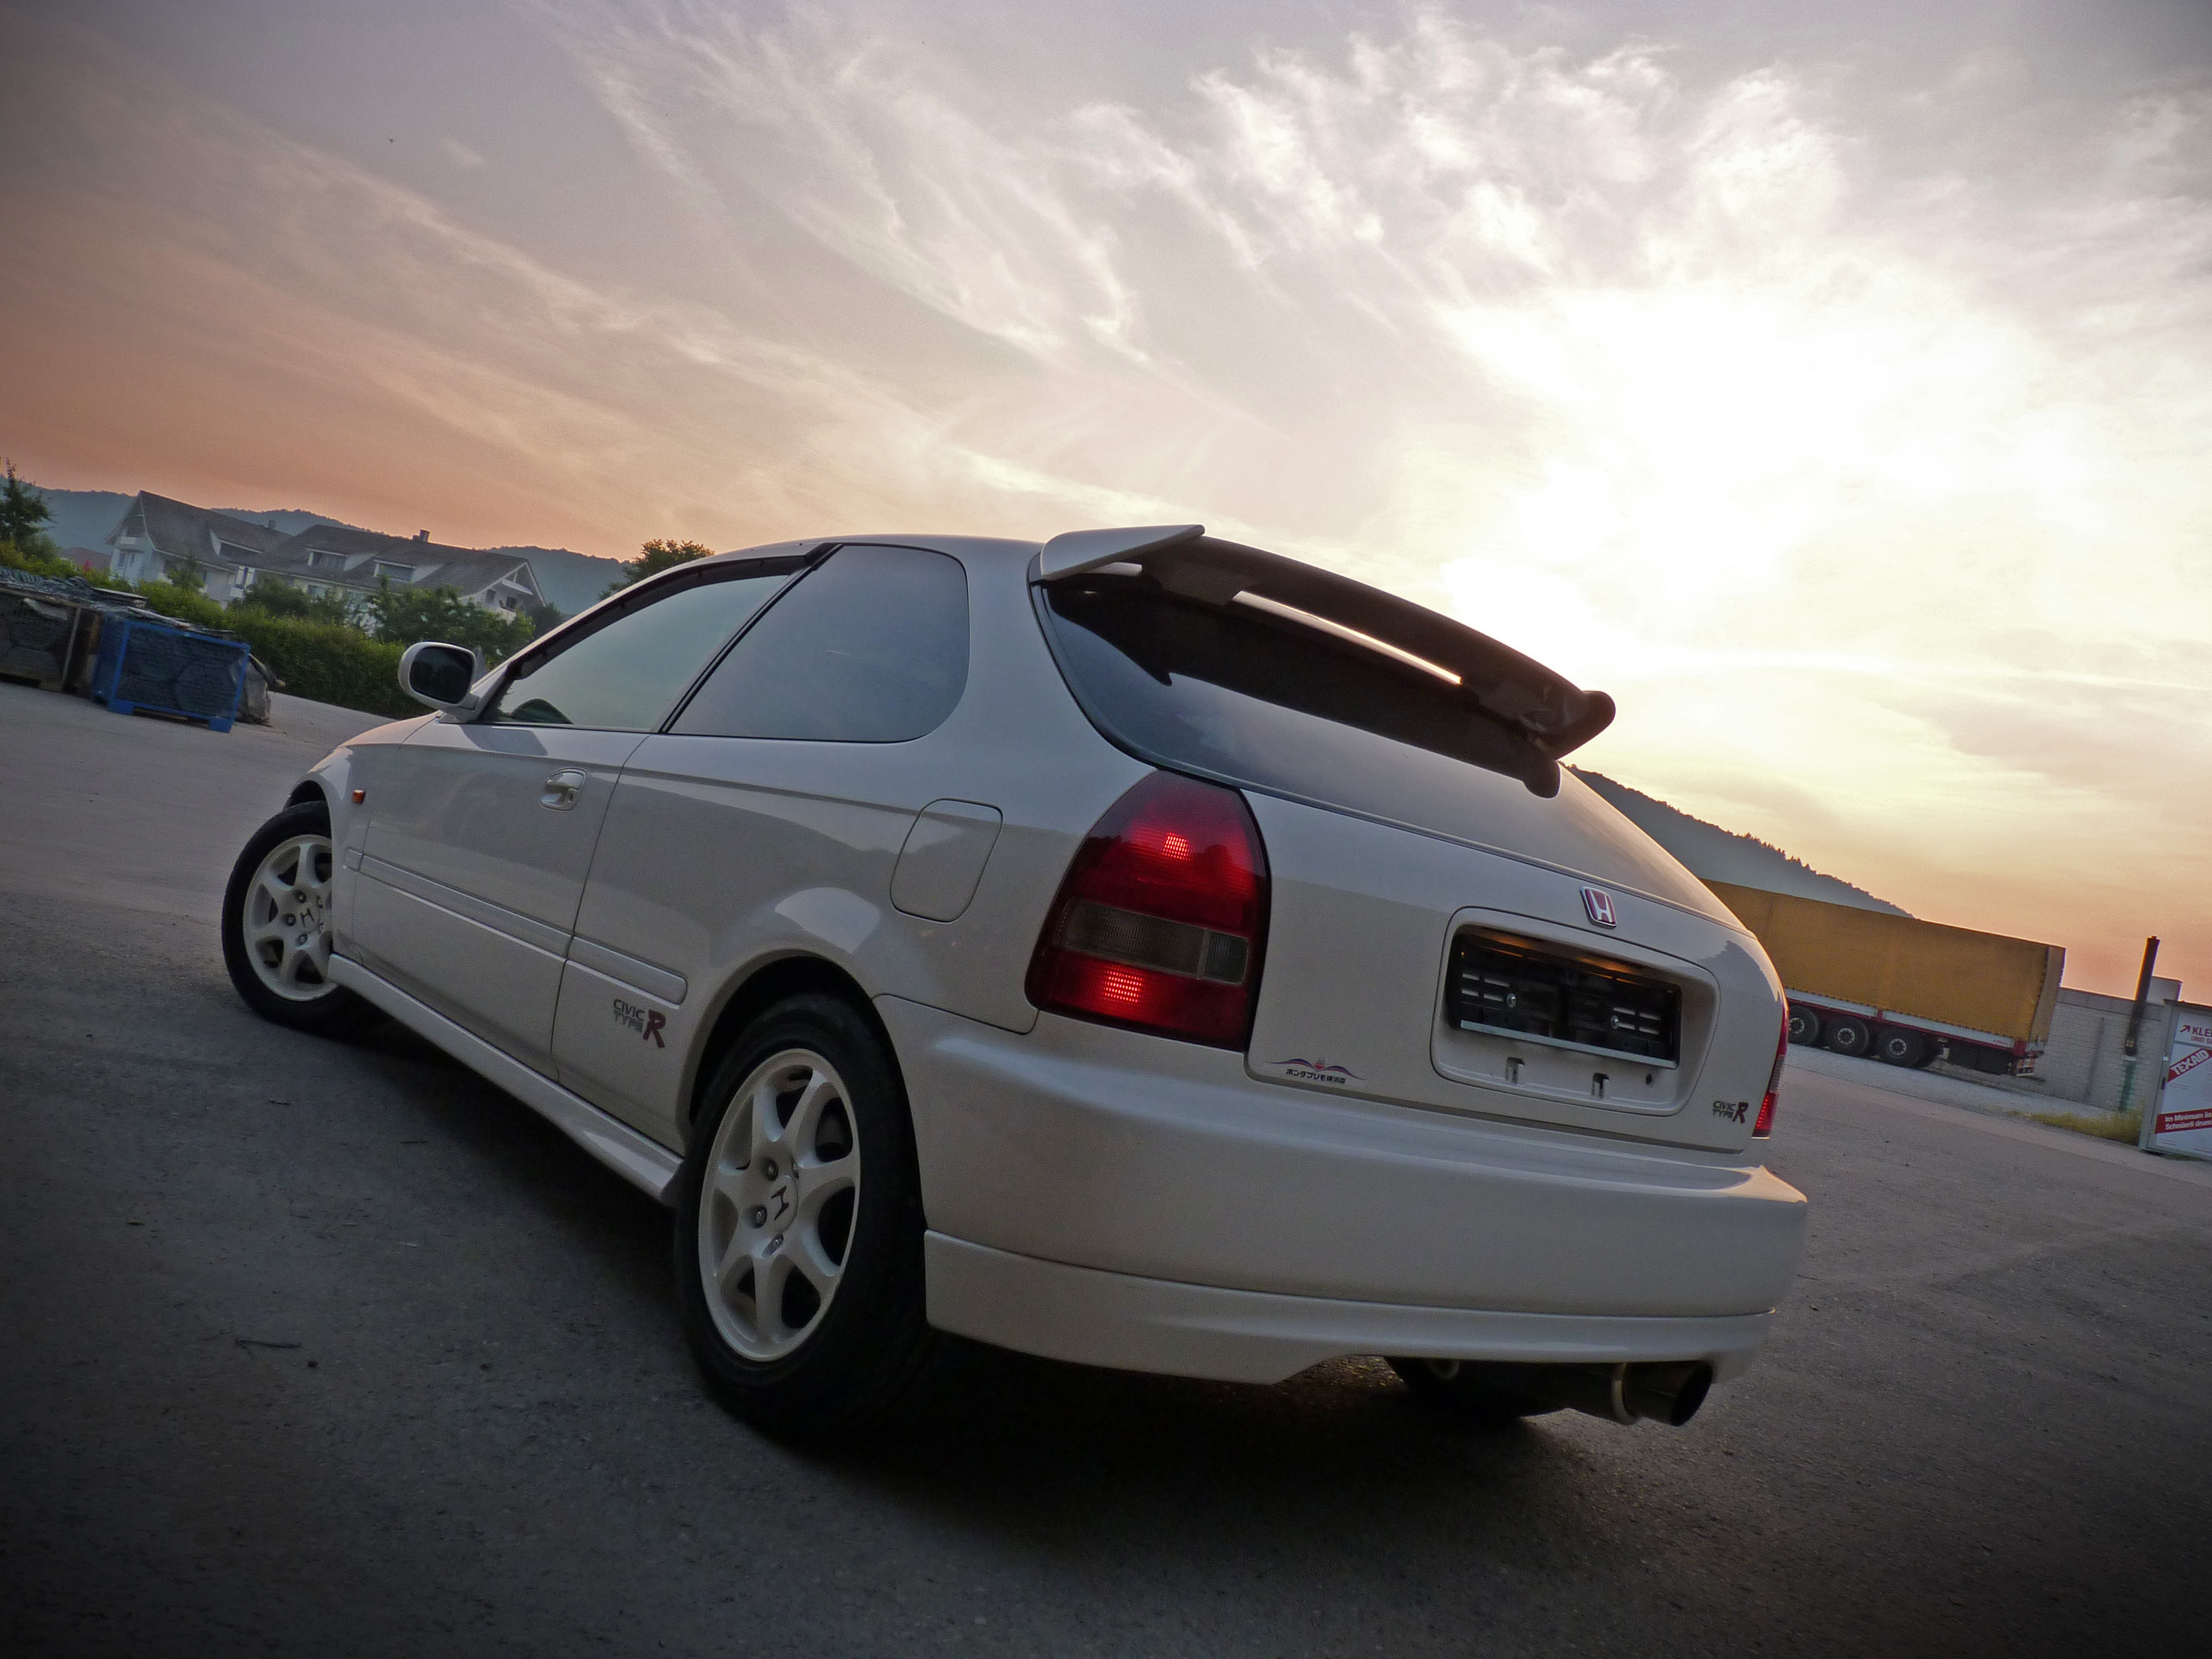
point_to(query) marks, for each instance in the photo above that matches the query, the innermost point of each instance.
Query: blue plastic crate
(144, 664)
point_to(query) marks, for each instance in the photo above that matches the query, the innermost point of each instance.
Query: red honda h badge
(1600, 906)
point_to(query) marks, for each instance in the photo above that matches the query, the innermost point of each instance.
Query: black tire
(1894, 1045)
(1447, 1385)
(866, 1346)
(1804, 1025)
(315, 1005)
(1849, 1035)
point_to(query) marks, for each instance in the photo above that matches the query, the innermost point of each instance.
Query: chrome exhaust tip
(1669, 1392)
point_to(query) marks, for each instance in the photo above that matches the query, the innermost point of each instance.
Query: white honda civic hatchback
(1140, 950)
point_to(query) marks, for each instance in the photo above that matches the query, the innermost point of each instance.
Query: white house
(159, 538)
(331, 561)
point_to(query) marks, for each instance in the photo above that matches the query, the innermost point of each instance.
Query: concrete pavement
(333, 1349)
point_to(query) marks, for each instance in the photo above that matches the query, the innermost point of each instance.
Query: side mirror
(439, 675)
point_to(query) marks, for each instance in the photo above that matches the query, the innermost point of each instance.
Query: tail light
(1162, 918)
(1765, 1127)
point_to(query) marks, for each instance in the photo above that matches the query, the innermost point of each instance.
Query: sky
(1833, 385)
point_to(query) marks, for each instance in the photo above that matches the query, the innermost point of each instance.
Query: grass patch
(2105, 1125)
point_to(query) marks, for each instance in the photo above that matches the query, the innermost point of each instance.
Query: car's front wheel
(276, 927)
(799, 1227)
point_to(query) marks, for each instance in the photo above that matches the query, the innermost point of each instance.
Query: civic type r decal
(1733, 1111)
(1316, 1071)
(645, 1022)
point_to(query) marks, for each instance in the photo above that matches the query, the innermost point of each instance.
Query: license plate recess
(1500, 985)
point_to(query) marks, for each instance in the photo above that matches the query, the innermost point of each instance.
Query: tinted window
(1231, 691)
(870, 648)
(626, 674)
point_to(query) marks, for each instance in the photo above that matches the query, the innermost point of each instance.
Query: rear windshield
(1236, 691)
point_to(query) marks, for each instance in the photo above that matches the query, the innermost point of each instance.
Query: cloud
(1874, 490)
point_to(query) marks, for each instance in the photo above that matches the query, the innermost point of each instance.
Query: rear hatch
(1457, 922)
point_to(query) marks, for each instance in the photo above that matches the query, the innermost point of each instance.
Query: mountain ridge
(1712, 853)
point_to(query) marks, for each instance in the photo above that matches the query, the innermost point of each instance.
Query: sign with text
(2183, 1122)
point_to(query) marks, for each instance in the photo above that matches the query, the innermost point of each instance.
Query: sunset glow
(1846, 421)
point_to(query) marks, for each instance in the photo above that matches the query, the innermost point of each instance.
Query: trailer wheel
(1850, 1036)
(1804, 1026)
(1897, 1046)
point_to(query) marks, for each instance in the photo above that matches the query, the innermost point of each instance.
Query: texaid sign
(2183, 1121)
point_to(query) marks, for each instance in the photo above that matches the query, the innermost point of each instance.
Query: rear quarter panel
(721, 856)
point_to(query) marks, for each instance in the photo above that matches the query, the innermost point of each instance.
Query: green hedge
(326, 661)
(185, 603)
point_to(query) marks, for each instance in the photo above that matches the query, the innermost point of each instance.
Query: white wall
(2085, 1063)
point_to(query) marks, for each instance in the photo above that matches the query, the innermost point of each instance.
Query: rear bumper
(1164, 1164)
(1094, 1318)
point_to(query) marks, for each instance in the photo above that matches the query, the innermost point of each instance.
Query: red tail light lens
(1162, 918)
(1765, 1127)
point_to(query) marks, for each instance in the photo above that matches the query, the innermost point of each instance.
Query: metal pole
(2134, 1020)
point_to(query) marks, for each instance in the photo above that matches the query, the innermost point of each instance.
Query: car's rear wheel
(1449, 1385)
(799, 1227)
(276, 927)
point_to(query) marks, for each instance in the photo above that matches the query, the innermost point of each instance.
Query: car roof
(985, 552)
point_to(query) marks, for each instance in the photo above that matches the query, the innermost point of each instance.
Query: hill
(569, 582)
(1717, 855)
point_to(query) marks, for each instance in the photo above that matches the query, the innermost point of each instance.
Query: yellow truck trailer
(1905, 991)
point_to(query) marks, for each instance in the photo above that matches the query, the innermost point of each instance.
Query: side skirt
(646, 1164)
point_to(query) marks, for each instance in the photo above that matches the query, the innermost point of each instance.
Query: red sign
(2182, 1120)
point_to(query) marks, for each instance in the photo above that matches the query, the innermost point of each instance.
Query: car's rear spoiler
(1554, 716)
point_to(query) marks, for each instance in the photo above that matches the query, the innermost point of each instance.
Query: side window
(870, 648)
(626, 674)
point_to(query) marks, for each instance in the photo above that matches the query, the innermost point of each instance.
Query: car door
(768, 817)
(481, 832)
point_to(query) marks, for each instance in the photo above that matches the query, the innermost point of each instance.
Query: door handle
(561, 790)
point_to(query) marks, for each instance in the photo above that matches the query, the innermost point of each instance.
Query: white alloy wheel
(286, 919)
(775, 1220)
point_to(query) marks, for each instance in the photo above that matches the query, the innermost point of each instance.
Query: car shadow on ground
(1027, 1450)
(1004, 1443)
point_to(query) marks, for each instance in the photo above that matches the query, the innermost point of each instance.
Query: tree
(543, 618)
(24, 516)
(406, 615)
(282, 598)
(655, 556)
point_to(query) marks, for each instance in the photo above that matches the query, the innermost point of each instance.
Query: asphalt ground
(314, 1348)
